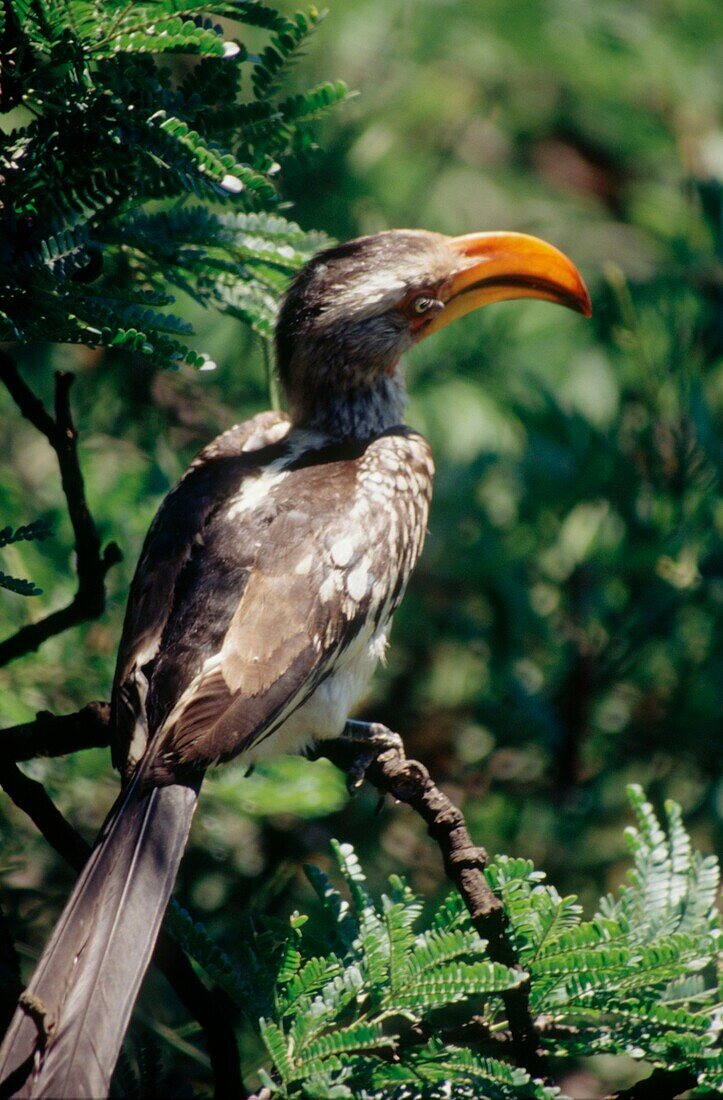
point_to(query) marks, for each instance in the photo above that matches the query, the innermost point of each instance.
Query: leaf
(19, 586)
(94, 181)
(356, 1037)
(457, 982)
(218, 167)
(37, 531)
(312, 976)
(245, 987)
(275, 1043)
(347, 927)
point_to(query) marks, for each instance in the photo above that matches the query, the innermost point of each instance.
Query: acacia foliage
(37, 531)
(126, 174)
(385, 999)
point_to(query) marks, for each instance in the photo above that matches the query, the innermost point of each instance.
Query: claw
(373, 739)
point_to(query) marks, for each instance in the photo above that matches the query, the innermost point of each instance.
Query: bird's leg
(372, 739)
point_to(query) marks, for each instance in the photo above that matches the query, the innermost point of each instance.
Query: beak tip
(577, 296)
(495, 267)
(585, 305)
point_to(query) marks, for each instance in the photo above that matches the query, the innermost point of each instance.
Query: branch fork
(92, 565)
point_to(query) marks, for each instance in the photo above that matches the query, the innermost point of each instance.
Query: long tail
(66, 1034)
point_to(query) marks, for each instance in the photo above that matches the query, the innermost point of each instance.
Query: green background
(562, 635)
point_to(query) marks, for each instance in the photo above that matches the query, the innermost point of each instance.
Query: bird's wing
(289, 577)
(217, 471)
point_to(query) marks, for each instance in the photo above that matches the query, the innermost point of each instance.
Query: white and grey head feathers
(340, 333)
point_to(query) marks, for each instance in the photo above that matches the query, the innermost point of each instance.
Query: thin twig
(91, 564)
(408, 781)
(208, 1006)
(31, 797)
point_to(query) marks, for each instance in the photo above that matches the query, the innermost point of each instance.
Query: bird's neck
(355, 414)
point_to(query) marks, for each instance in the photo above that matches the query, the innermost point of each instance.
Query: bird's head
(354, 309)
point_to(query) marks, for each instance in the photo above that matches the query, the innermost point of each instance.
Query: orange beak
(494, 267)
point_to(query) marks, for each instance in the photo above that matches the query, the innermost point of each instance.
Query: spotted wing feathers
(291, 568)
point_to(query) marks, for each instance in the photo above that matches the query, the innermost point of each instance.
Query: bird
(261, 604)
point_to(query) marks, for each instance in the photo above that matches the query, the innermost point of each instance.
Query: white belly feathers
(324, 715)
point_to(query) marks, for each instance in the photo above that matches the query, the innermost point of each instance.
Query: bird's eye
(419, 307)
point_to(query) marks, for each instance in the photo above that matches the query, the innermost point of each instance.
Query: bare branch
(408, 781)
(31, 797)
(57, 734)
(92, 565)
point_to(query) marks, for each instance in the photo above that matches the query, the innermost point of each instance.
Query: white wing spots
(342, 550)
(357, 583)
(328, 589)
(304, 566)
(378, 644)
(254, 490)
(361, 557)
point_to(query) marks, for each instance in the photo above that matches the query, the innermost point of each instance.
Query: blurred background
(562, 635)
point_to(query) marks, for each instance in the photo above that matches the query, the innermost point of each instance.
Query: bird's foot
(373, 739)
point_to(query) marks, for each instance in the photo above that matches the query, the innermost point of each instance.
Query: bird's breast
(324, 714)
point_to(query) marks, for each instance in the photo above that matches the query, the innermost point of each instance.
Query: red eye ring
(419, 306)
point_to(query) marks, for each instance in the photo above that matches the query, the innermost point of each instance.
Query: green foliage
(378, 1013)
(309, 789)
(245, 984)
(105, 143)
(639, 978)
(36, 531)
(560, 635)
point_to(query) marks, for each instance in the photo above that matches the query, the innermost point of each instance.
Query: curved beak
(494, 267)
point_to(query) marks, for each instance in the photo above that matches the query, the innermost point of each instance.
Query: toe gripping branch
(368, 741)
(373, 752)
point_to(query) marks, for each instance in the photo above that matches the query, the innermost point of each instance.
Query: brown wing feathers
(275, 637)
(283, 575)
(176, 530)
(264, 572)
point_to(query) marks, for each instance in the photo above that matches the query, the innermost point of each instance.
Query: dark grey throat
(358, 413)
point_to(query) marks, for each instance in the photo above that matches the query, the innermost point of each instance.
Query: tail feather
(66, 1035)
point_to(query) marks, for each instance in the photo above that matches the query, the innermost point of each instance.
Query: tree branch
(57, 734)
(32, 798)
(208, 1006)
(92, 565)
(407, 781)
(464, 863)
(662, 1084)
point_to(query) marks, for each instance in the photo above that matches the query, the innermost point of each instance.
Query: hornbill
(261, 604)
